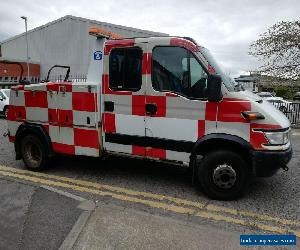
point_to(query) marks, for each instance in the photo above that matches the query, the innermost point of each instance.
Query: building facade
(249, 82)
(258, 82)
(64, 42)
(13, 70)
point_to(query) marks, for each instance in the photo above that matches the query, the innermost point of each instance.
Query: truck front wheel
(223, 175)
(33, 152)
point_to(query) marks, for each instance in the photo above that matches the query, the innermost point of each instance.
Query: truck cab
(162, 98)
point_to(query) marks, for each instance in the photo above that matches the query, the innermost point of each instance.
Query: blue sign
(98, 55)
(268, 240)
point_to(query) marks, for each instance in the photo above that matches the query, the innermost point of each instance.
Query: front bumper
(267, 163)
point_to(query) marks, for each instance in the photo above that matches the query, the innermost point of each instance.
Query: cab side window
(125, 69)
(175, 69)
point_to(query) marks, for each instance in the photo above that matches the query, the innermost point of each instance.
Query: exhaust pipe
(285, 168)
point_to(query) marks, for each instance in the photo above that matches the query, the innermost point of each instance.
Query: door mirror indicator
(214, 92)
(249, 115)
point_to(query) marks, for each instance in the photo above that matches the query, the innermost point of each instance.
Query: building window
(175, 69)
(125, 69)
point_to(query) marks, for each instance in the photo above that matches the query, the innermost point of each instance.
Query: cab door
(176, 103)
(123, 89)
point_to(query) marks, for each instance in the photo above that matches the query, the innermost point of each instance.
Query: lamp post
(27, 47)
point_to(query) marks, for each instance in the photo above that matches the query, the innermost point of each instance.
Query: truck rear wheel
(33, 153)
(223, 175)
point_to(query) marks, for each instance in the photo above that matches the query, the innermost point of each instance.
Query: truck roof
(170, 40)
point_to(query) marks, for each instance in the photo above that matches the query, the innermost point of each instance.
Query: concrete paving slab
(33, 217)
(15, 200)
(112, 227)
(50, 218)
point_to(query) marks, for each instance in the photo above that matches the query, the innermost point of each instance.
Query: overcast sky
(226, 27)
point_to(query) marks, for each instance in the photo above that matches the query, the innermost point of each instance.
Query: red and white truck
(163, 98)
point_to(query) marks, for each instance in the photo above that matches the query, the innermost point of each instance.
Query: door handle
(151, 108)
(109, 106)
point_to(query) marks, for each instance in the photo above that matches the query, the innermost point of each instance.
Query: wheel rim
(224, 176)
(33, 154)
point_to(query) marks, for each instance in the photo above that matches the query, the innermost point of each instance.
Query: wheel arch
(35, 129)
(212, 142)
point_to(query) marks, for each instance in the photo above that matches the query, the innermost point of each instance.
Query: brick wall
(12, 70)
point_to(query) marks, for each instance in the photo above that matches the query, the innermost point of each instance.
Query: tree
(279, 50)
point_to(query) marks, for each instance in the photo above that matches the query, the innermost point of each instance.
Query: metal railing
(290, 109)
(73, 78)
(56, 78)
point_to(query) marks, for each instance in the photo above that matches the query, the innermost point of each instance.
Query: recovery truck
(163, 98)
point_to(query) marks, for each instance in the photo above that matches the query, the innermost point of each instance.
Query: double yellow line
(172, 204)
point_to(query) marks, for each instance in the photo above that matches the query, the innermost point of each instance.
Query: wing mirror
(214, 92)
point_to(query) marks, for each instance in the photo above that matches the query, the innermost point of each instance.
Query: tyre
(5, 111)
(33, 152)
(223, 175)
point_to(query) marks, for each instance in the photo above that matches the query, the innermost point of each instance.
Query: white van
(4, 101)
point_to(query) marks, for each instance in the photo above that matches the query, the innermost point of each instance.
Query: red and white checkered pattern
(70, 113)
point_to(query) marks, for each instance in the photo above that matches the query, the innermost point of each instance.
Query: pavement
(34, 217)
(40, 217)
(119, 203)
(111, 227)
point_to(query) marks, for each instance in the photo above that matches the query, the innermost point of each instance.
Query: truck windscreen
(227, 80)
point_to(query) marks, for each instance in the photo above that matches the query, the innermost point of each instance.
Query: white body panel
(4, 100)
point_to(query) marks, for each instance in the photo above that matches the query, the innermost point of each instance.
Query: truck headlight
(278, 138)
